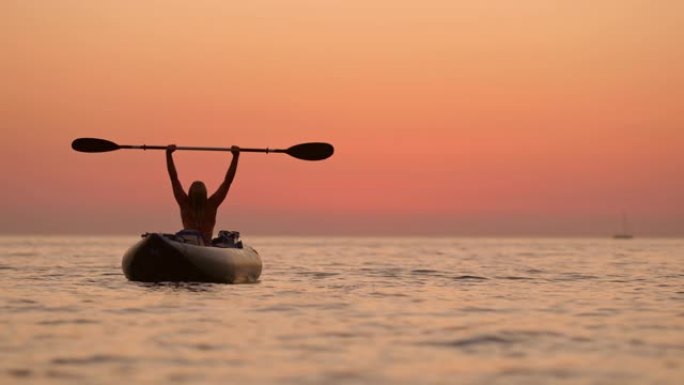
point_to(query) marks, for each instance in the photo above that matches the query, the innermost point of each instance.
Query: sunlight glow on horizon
(448, 117)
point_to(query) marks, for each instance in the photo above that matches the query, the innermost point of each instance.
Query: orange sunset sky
(526, 117)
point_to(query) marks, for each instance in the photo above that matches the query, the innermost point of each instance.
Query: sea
(334, 310)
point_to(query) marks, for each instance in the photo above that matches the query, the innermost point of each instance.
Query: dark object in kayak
(166, 257)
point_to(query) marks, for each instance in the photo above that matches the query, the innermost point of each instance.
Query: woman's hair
(198, 196)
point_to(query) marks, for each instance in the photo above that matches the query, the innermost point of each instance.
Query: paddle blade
(93, 145)
(311, 151)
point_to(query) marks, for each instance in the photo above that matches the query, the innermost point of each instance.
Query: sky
(455, 118)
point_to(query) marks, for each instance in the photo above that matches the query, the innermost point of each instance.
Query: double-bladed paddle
(305, 151)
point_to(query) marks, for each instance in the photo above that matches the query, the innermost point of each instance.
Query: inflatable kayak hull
(157, 258)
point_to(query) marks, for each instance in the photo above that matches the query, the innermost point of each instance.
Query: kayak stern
(156, 258)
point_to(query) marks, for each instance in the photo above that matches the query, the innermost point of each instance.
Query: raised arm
(178, 192)
(221, 193)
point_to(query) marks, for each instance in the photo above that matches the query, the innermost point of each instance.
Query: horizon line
(359, 235)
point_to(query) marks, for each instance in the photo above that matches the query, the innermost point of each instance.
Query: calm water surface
(350, 311)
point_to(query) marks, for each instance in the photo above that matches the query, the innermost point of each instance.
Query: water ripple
(469, 277)
(93, 359)
(473, 341)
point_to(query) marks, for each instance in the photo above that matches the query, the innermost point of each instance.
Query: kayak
(167, 257)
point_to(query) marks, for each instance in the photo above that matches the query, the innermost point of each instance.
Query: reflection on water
(350, 311)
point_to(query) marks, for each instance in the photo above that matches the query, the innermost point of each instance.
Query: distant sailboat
(624, 234)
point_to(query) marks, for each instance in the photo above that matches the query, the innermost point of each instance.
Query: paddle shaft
(190, 148)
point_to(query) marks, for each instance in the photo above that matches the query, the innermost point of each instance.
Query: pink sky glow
(448, 117)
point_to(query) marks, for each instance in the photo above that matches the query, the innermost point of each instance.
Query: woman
(198, 212)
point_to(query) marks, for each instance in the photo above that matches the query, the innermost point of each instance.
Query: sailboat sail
(625, 233)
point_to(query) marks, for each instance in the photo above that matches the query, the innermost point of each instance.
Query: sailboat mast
(624, 234)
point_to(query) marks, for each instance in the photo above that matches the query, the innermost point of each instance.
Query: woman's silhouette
(198, 212)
